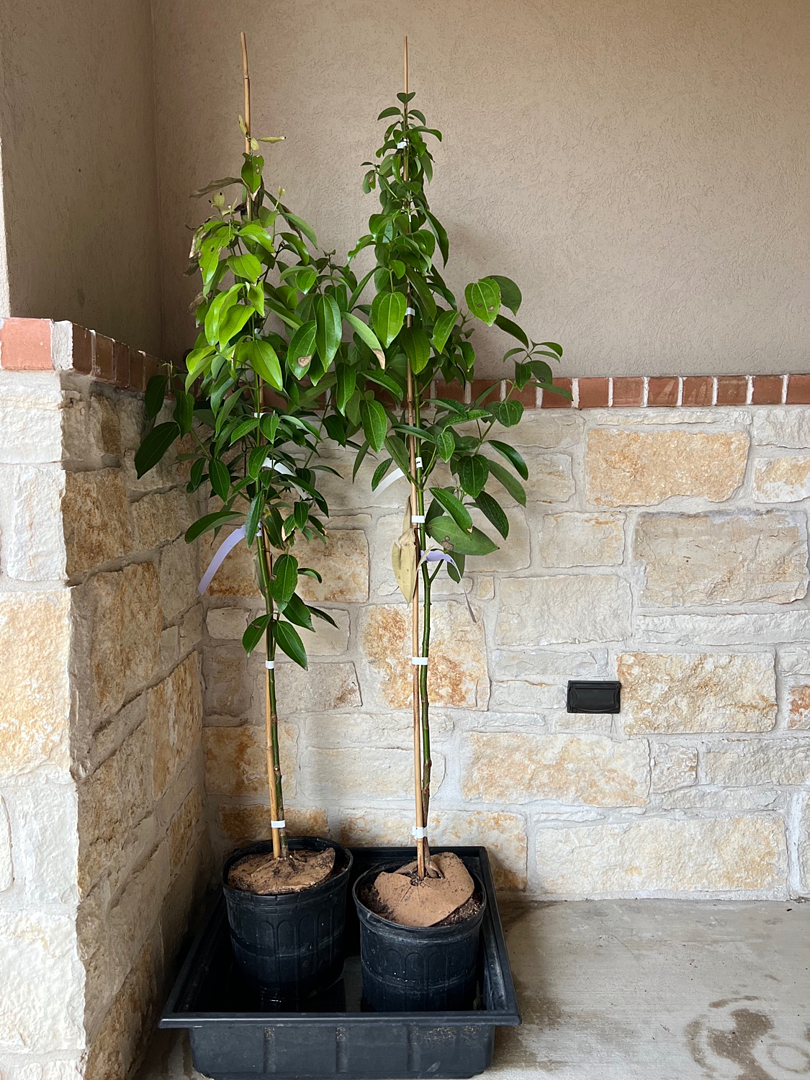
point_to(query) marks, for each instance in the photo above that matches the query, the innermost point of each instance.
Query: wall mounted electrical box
(600, 696)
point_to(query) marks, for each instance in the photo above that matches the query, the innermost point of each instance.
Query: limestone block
(804, 847)
(457, 672)
(6, 863)
(573, 539)
(730, 800)
(174, 708)
(183, 827)
(191, 629)
(104, 424)
(112, 801)
(342, 561)
(659, 854)
(122, 624)
(741, 763)
(550, 480)
(585, 769)
(45, 840)
(236, 761)
(550, 430)
(228, 623)
(754, 628)
(323, 688)
(237, 574)
(784, 479)
(711, 559)
(513, 553)
(799, 708)
(37, 956)
(673, 767)
(532, 680)
(96, 519)
(644, 468)
(30, 420)
(690, 692)
(246, 823)
(342, 776)
(229, 685)
(788, 426)
(385, 728)
(154, 520)
(547, 610)
(33, 543)
(131, 1016)
(35, 703)
(503, 834)
(169, 646)
(178, 579)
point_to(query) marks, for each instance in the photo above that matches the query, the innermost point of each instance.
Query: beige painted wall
(639, 166)
(77, 125)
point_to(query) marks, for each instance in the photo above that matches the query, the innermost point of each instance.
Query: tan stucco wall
(80, 184)
(639, 166)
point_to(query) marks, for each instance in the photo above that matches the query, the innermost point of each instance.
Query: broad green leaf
(513, 486)
(301, 225)
(305, 279)
(300, 515)
(296, 611)
(445, 445)
(483, 299)
(512, 328)
(210, 521)
(512, 456)
(327, 332)
(261, 357)
(183, 411)
(388, 315)
(472, 473)
(399, 452)
(155, 393)
(380, 472)
(217, 310)
(375, 423)
(346, 381)
(510, 294)
(417, 347)
(252, 172)
(220, 478)
(301, 348)
(155, 445)
(491, 509)
(254, 633)
(233, 321)
(507, 413)
(290, 643)
(285, 578)
(424, 296)
(318, 613)
(443, 328)
(246, 267)
(454, 507)
(253, 518)
(392, 110)
(366, 334)
(555, 348)
(446, 532)
(440, 233)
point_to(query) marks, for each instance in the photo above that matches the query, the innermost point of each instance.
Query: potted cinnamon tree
(247, 397)
(424, 917)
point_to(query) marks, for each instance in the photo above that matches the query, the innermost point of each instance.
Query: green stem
(274, 778)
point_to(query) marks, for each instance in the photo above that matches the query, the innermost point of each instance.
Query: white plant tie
(270, 665)
(392, 478)
(419, 661)
(417, 519)
(410, 311)
(419, 832)
(277, 466)
(418, 462)
(402, 144)
(278, 824)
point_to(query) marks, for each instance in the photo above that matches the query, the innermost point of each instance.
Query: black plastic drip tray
(237, 1034)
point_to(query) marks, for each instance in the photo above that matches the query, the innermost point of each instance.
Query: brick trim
(44, 345)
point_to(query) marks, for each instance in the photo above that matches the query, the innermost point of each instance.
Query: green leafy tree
(248, 400)
(411, 332)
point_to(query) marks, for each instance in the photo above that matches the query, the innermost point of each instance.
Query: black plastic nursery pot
(409, 969)
(294, 944)
(237, 1032)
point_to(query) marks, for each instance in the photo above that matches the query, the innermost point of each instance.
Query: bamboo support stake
(246, 80)
(417, 720)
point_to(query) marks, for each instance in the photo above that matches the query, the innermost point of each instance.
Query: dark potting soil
(262, 875)
(371, 898)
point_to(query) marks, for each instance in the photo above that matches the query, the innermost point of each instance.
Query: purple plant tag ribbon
(224, 549)
(434, 555)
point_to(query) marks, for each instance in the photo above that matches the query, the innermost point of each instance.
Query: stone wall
(102, 847)
(664, 547)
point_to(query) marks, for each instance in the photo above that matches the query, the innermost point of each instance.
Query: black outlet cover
(594, 697)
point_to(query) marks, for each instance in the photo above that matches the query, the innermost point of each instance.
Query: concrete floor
(642, 990)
